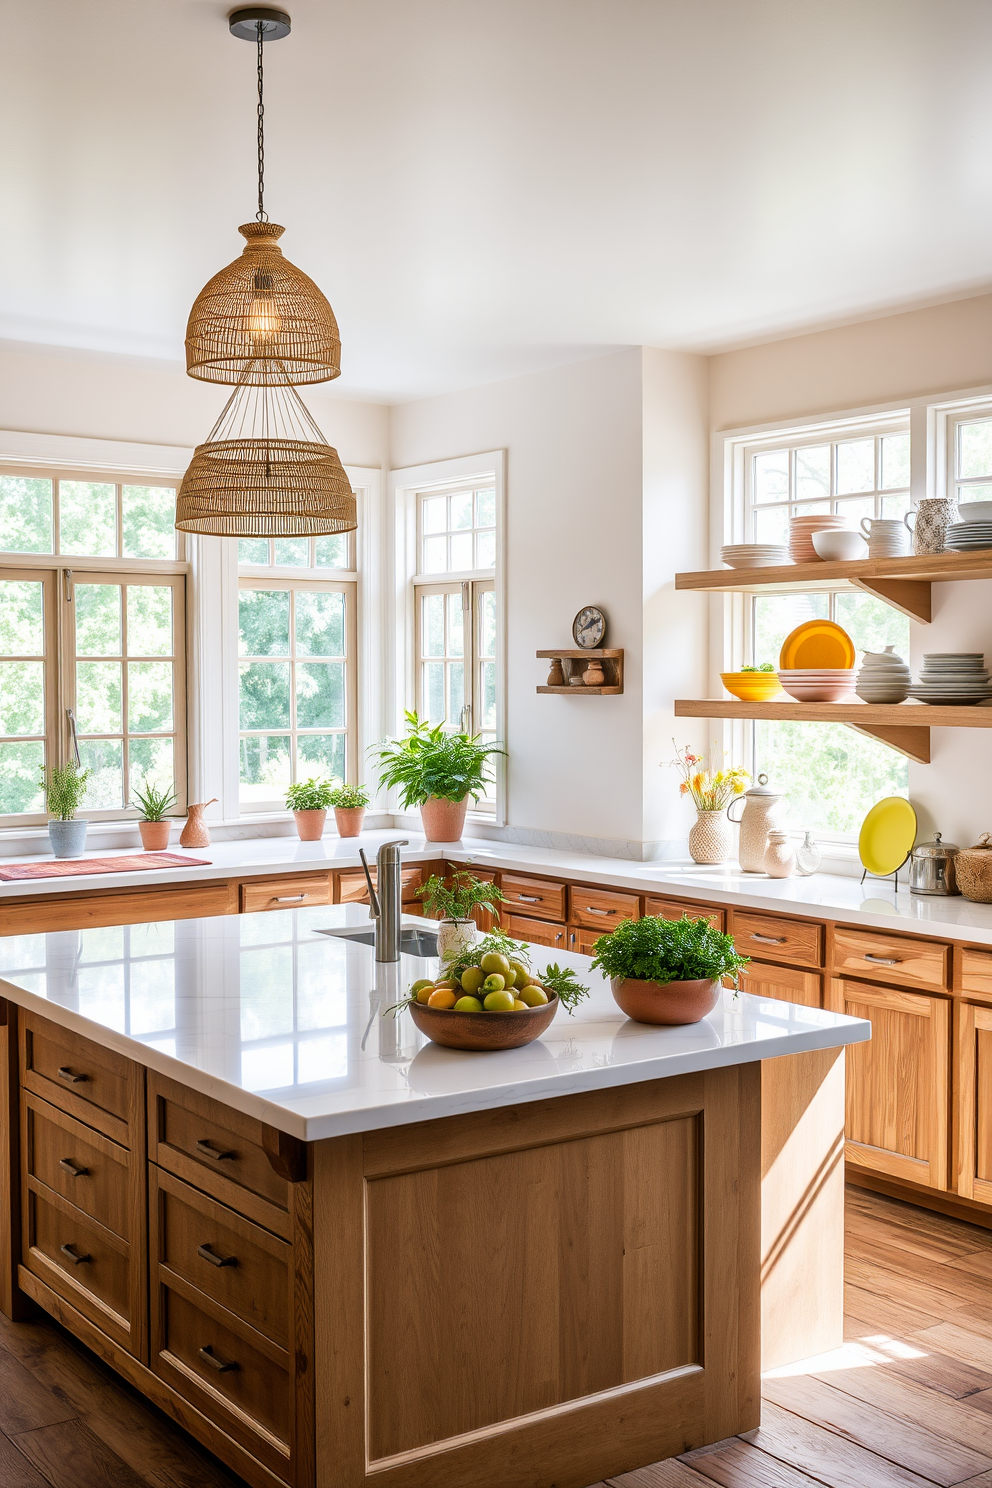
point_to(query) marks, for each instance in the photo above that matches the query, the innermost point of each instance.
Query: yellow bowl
(752, 687)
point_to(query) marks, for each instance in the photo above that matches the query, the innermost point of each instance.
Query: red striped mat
(69, 867)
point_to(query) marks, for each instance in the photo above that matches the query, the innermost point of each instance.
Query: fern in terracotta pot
(154, 825)
(667, 971)
(437, 770)
(350, 803)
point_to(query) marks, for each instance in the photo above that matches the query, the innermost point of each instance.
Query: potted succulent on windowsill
(350, 803)
(667, 971)
(308, 800)
(64, 787)
(438, 771)
(154, 826)
(452, 900)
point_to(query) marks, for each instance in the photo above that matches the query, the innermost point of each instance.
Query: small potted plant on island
(309, 800)
(451, 901)
(438, 771)
(154, 826)
(64, 787)
(350, 803)
(667, 971)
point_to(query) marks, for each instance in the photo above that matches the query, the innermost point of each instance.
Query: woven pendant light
(265, 470)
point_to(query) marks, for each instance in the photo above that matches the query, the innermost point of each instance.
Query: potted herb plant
(452, 900)
(350, 803)
(64, 787)
(154, 826)
(308, 800)
(667, 971)
(438, 771)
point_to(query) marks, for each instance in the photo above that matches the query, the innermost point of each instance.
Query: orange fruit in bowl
(442, 997)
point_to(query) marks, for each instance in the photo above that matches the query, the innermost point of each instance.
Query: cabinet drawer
(70, 1159)
(352, 888)
(890, 958)
(217, 1150)
(81, 1261)
(602, 909)
(583, 940)
(536, 897)
(537, 932)
(976, 971)
(786, 940)
(784, 983)
(134, 907)
(238, 1264)
(674, 909)
(96, 1085)
(242, 1385)
(286, 893)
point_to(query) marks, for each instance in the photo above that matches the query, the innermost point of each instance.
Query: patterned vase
(711, 839)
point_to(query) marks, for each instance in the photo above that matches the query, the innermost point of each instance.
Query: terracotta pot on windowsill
(443, 820)
(310, 825)
(154, 835)
(668, 1003)
(348, 820)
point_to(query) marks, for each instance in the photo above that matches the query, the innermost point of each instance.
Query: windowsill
(123, 835)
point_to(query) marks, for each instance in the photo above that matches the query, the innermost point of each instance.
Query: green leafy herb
(64, 787)
(152, 802)
(434, 762)
(765, 666)
(562, 979)
(453, 966)
(349, 797)
(309, 795)
(658, 950)
(455, 897)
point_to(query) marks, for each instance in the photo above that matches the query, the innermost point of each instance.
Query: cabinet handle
(73, 1254)
(529, 898)
(70, 1167)
(217, 1153)
(770, 939)
(287, 898)
(559, 936)
(207, 1254)
(572, 937)
(882, 960)
(70, 1077)
(591, 909)
(222, 1366)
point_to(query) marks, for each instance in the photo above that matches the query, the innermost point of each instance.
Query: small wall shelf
(575, 662)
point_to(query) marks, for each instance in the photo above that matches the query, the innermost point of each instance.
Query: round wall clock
(589, 628)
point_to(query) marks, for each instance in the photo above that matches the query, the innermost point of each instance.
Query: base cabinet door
(784, 983)
(973, 1101)
(898, 1098)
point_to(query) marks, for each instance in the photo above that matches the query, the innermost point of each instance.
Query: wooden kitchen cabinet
(75, 911)
(533, 898)
(536, 932)
(298, 891)
(871, 954)
(582, 940)
(676, 909)
(784, 983)
(351, 887)
(602, 910)
(798, 941)
(973, 1101)
(897, 1084)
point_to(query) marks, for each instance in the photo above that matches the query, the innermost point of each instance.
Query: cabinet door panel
(897, 1084)
(973, 1100)
(582, 940)
(537, 932)
(784, 983)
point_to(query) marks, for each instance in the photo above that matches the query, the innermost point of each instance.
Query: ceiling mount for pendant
(245, 21)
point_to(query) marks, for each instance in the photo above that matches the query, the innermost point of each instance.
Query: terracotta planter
(310, 825)
(154, 835)
(348, 820)
(665, 1002)
(444, 820)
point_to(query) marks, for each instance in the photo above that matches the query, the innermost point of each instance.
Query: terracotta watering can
(196, 833)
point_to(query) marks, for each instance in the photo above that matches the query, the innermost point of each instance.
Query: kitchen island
(338, 1254)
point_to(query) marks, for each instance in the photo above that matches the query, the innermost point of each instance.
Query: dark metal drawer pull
(207, 1254)
(770, 939)
(221, 1365)
(883, 960)
(217, 1153)
(591, 909)
(529, 898)
(70, 1077)
(70, 1167)
(73, 1254)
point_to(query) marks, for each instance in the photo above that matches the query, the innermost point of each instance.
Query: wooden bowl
(483, 1030)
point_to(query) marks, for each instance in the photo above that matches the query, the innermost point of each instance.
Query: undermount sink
(413, 942)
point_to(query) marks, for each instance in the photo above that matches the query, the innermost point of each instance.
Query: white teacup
(888, 537)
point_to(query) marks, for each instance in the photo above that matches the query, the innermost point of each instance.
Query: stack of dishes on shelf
(974, 529)
(884, 678)
(754, 555)
(953, 678)
(816, 663)
(801, 531)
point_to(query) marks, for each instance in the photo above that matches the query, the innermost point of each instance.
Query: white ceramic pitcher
(758, 818)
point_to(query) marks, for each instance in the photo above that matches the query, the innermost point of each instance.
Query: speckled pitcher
(931, 519)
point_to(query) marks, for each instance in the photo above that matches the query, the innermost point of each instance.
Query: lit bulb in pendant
(264, 320)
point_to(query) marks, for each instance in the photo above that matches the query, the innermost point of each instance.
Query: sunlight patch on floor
(863, 1353)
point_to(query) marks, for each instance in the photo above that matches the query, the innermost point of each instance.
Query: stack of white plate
(973, 532)
(819, 684)
(754, 555)
(884, 678)
(953, 677)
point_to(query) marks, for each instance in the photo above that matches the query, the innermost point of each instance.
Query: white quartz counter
(824, 896)
(268, 1015)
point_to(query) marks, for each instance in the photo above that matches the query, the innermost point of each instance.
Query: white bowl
(839, 545)
(975, 511)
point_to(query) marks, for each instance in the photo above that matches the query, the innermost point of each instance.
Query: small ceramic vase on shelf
(556, 677)
(711, 839)
(780, 856)
(807, 857)
(594, 676)
(196, 833)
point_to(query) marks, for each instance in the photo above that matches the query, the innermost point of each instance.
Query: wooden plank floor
(906, 1404)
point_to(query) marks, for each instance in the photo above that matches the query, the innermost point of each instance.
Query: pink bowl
(668, 1003)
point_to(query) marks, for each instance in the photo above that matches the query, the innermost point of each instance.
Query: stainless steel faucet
(386, 906)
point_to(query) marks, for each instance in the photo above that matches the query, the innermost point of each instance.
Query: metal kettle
(931, 868)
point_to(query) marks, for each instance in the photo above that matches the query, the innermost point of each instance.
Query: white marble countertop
(823, 896)
(268, 1015)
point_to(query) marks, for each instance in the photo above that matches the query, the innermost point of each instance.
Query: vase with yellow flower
(711, 839)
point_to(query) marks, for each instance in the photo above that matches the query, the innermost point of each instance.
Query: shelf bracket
(912, 740)
(911, 596)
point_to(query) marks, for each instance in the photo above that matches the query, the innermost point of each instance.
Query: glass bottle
(807, 857)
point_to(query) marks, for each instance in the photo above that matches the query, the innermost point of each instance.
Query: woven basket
(973, 870)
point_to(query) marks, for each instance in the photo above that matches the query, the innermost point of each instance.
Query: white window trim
(399, 679)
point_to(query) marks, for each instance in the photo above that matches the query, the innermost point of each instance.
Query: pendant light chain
(261, 215)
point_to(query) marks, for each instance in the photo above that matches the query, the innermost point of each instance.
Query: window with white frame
(969, 449)
(830, 774)
(92, 638)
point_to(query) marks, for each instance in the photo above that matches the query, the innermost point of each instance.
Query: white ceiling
(486, 187)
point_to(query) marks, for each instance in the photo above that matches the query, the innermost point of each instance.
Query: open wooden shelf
(614, 668)
(903, 583)
(903, 726)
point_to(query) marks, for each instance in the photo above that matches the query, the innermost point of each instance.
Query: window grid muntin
(834, 501)
(58, 477)
(246, 564)
(478, 490)
(472, 661)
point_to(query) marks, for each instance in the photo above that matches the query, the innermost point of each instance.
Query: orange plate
(817, 643)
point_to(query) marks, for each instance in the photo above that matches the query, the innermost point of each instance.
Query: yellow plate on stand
(887, 834)
(817, 643)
